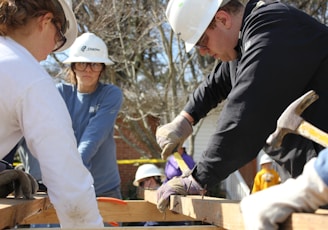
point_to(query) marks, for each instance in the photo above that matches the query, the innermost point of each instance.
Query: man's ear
(223, 19)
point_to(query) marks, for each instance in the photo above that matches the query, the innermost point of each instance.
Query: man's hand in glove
(172, 135)
(15, 180)
(269, 207)
(182, 185)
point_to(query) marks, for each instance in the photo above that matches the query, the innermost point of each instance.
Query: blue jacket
(93, 116)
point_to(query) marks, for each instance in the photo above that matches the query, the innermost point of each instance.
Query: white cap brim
(106, 61)
(71, 32)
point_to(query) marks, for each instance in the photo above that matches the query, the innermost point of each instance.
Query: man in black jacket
(271, 54)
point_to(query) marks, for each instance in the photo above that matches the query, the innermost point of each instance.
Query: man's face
(220, 38)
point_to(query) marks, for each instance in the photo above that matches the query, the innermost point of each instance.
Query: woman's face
(87, 75)
(148, 183)
(43, 36)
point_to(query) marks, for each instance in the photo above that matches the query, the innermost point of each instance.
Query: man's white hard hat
(265, 159)
(71, 31)
(190, 18)
(89, 48)
(147, 170)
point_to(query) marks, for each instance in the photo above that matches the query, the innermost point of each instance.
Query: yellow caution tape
(127, 162)
(136, 161)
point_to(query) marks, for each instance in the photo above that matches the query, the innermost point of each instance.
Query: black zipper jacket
(283, 54)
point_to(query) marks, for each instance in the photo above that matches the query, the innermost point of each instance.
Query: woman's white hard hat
(71, 31)
(89, 48)
(147, 170)
(190, 18)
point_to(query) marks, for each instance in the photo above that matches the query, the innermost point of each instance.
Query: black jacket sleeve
(213, 90)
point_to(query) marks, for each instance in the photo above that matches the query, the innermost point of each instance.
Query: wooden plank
(222, 213)
(13, 211)
(306, 221)
(150, 196)
(133, 211)
(226, 213)
(47, 216)
(137, 211)
(219, 212)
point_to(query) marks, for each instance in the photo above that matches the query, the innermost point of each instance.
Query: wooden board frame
(218, 213)
(226, 213)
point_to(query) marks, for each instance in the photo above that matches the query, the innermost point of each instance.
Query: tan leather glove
(19, 182)
(172, 135)
(269, 207)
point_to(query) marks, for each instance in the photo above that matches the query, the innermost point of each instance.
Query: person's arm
(47, 128)
(172, 135)
(212, 91)
(189, 160)
(268, 208)
(257, 183)
(171, 168)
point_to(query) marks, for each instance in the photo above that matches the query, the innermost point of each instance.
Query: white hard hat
(190, 18)
(71, 30)
(265, 159)
(147, 170)
(89, 48)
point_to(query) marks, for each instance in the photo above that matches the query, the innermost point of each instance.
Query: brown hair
(17, 13)
(70, 75)
(232, 7)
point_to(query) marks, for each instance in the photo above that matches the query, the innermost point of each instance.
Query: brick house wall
(125, 152)
(127, 171)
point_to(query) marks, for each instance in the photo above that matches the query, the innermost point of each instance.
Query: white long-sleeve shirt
(31, 106)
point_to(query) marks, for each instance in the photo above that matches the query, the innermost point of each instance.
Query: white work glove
(172, 135)
(269, 207)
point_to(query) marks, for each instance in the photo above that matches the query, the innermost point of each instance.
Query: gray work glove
(269, 207)
(182, 185)
(172, 135)
(19, 182)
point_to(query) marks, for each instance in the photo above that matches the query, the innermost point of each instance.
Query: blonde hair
(70, 75)
(15, 14)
